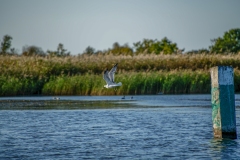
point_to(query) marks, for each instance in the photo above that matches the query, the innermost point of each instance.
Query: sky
(78, 24)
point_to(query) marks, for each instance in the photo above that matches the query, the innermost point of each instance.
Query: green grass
(133, 83)
(173, 82)
(12, 86)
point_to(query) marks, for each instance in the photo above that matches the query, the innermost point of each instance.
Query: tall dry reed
(76, 65)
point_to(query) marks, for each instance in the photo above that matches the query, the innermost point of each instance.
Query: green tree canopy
(6, 44)
(32, 51)
(117, 49)
(154, 46)
(230, 42)
(89, 50)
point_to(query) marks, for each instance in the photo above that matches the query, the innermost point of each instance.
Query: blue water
(161, 127)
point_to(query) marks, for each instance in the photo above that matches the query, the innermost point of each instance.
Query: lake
(108, 127)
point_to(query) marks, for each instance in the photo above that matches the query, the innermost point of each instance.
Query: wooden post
(223, 102)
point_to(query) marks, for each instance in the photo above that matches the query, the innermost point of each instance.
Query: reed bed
(22, 66)
(133, 84)
(136, 83)
(82, 75)
(173, 82)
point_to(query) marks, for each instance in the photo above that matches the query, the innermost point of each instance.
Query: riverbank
(59, 104)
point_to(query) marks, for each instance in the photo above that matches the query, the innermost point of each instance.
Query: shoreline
(62, 104)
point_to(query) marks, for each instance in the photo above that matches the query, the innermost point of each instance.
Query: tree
(60, 52)
(89, 50)
(6, 44)
(52, 53)
(117, 49)
(167, 46)
(13, 51)
(143, 46)
(32, 51)
(229, 43)
(154, 46)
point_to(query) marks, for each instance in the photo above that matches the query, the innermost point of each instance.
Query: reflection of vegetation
(60, 104)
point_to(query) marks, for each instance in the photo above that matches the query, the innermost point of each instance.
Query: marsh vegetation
(140, 74)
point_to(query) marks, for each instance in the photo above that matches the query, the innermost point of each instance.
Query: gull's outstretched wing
(112, 72)
(106, 77)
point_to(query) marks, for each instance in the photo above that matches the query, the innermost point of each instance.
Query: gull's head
(106, 86)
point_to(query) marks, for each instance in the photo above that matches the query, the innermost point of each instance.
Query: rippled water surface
(156, 129)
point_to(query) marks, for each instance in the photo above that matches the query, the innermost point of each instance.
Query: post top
(222, 75)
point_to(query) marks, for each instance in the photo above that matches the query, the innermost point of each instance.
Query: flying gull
(108, 76)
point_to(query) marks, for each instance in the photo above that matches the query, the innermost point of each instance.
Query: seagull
(108, 76)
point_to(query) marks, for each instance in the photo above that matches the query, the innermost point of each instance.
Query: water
(160, 127)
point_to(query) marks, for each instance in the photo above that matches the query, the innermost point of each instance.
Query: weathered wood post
(223, 102)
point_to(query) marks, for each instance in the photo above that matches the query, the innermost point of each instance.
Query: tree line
(228, 43)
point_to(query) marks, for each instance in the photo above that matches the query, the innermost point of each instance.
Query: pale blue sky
(99, 23)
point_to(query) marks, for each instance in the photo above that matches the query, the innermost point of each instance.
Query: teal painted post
(223, 102)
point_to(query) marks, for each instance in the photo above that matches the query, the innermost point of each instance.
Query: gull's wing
(106, 77)
(112, 72)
